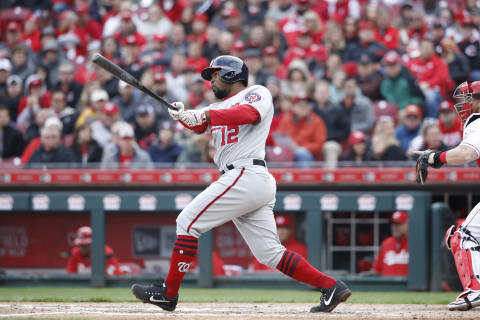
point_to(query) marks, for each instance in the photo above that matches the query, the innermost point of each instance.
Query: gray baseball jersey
(246, 141)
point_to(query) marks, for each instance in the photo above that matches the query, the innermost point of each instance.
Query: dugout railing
(313, 205)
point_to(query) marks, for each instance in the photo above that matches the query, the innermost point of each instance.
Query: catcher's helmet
(464, 94)
(232, 69)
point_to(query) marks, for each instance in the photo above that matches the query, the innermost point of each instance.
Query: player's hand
(175, 114)
(193, 118)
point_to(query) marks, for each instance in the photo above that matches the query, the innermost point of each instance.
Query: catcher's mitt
(422, 167)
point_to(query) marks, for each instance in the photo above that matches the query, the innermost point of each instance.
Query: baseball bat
(123, 75)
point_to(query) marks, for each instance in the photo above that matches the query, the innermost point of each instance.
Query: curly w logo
(183, 266)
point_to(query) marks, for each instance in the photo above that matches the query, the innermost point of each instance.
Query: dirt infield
(248, 311)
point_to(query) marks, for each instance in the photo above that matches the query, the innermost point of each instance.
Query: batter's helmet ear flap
(232, 69)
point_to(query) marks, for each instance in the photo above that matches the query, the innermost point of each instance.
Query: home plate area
(88, 310)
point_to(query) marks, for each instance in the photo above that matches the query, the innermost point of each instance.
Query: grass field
(67, 294)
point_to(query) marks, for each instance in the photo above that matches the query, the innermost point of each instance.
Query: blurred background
(357, 87)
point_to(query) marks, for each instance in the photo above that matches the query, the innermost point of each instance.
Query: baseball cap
(391, 57)
(14, 79)
(356, 136)
(413, 110)
(283, 221)
(159, 77)
(83, 237)
(35, 82)
(238, 45)
(446, 106)
(201, 17)
(14, 26)
(300, 97)
(5, 64)
(363, 25)
(399, 217)
(230, 12)
(145, 109)
(99, 94)
(270, 50)
(126, 131)
(160, 37)
(110, 108)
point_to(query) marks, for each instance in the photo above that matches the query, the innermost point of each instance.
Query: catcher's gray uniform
(245, 192)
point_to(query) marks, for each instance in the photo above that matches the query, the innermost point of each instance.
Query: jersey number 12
(231, 132)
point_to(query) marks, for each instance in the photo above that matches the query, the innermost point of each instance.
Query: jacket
(360, 113)
(309, 133)
(12, 141)
(140, 159)
(402, 90)
(59, 158)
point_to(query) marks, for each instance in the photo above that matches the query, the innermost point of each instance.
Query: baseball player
(245, 192)
(464, 241)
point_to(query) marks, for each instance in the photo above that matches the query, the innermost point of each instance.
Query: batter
(244, 193)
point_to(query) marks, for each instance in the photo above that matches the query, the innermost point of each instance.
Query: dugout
(320, 212)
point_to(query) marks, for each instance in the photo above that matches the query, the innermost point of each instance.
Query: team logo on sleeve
(252, 97)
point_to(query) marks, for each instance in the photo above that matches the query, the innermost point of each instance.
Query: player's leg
(259, 231)
(230, 196)
(465, 246)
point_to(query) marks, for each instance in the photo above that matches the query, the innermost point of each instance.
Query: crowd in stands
(354, 80)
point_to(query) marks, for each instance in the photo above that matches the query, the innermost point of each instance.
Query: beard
(220, 93)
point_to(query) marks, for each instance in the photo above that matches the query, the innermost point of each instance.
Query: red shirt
(44, 102)
(388, 37)
(77, 260)
(451, 136)
(198, 64)
(292, 245)
(125, 160)
(122, 39)
(33, 40)
(392, 259)
(433, 71)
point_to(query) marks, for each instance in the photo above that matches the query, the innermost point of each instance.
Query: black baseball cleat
(155, 294)
(332, 297)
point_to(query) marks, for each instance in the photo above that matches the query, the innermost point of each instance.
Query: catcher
(464, 242)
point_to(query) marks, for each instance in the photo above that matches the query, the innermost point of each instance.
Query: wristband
(439, 158)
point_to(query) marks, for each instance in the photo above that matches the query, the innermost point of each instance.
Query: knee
(269, 256)
(184, 228)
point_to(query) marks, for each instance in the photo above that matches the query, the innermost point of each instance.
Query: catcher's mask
(464, 94)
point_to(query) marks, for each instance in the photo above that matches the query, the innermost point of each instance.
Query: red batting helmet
(464, 94)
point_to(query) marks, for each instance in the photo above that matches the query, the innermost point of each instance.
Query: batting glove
(193, 118)
(175, 114)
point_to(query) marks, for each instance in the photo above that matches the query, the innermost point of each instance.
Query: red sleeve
(72, 263)
(196, 129)
(378, 263)
(238, 115)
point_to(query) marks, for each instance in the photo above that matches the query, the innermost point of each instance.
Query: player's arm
(461, 154)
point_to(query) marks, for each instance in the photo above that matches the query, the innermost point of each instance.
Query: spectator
(335, 119)
(385, 146)
(32, 33)
(66, 114)
(13, 35)
(196, 98)
(5, 71)
(37, 97)
(399, 86)
(458, 64)
(306, 130)
(127, 101)
(336, 86)
(159, 53)
(99, 98)
(195, 59)
(79, 260)
(470, 47)
(392, 259)
(107, 81)
(131, 61)
(358, 107)
(156, 21)
(146, 126)
(233, 20)
(51, 58)
(84, 147)
(385, 33)
(165, 150)
(430, 138)
(286, 235)
(67, 84)
(128, 154)
(298, 79)
(92, 28)
(51, 153)
(11, 140)
(368, 79)
(450, 125)
(13, 95)
(337, 44)
(368, 44)
(257, 73)
(33, 130)
(160, 87)
(22, 64)
(199, 28)
(127, 29)
(412, 118)
(357, 150)
(433, 76)
(178, 42)
(102, 126)
(176, 79)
